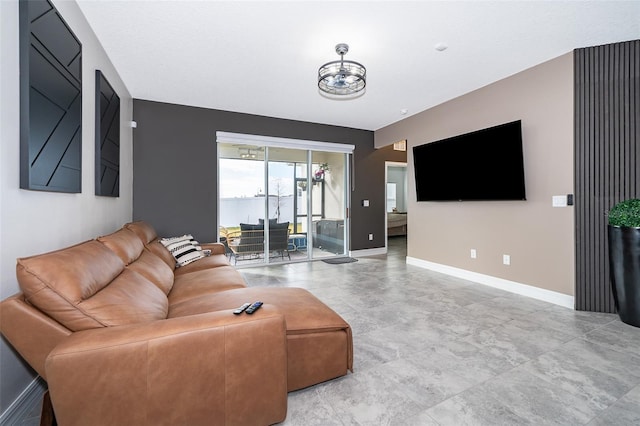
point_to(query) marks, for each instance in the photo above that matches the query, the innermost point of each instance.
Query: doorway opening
(396, 203)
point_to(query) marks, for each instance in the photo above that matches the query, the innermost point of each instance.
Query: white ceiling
(263, 57)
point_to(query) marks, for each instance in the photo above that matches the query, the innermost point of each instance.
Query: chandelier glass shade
(248, 155)
(342, 77)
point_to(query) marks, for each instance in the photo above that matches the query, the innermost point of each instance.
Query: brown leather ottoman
(319, 341)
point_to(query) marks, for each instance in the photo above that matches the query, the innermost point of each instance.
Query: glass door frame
(296, 144)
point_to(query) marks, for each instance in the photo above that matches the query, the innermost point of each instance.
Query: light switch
(365, 203)
(559, 201)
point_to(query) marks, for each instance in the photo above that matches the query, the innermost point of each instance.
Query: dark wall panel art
(107, 138)
(50, 100)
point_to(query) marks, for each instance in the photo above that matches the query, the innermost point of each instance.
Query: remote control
(251, 309)
(241, 309)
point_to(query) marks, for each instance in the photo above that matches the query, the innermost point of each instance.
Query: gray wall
(175, 167)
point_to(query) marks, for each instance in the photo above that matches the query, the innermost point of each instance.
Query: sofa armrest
(207, 369)
(216, 248)
(32, 333)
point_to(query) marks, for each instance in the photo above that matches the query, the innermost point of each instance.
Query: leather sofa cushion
(303, 311)
(206, 263)
(129, 247)
(87, 286)
(204, 282)
(161, 251)
(149, 238)
(129, 299)
(143, 230)
(125, 243)
(154, 269)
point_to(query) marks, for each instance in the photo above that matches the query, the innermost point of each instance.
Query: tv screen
(482, 165)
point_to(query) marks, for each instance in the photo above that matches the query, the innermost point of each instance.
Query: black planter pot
(624, 261)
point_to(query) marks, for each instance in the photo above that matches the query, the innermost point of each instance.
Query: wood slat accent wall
(607, 134)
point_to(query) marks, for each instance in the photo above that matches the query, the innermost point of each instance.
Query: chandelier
(248, 155)
(342, 77)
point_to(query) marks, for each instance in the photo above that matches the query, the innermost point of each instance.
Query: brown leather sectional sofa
(122, 337)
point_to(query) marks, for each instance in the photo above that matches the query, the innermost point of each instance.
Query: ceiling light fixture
(342, 77)
(248, 155)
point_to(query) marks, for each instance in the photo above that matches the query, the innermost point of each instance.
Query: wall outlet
(474, 254)
(370, 237)
(506, 259)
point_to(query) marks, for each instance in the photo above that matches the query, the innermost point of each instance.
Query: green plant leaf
(625, 213)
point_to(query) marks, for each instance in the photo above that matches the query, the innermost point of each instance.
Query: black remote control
(251, 309)
(241, 309)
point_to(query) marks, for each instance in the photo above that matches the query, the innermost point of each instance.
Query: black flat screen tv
(485, 165)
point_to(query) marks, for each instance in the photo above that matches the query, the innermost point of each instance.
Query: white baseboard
(29, 398)
(511, 286)
(368, 252)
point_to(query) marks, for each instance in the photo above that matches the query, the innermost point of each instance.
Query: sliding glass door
(241, 201)
(281, 203)
(328, 202)
(287, 223)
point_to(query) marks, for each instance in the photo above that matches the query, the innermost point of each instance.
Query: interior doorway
(396, 203)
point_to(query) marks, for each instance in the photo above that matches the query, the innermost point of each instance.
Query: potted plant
(319, 174)
(624, 259)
